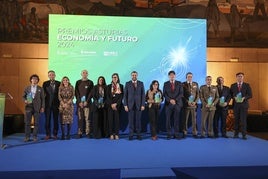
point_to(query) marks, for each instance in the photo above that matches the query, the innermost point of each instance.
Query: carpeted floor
(103, 158)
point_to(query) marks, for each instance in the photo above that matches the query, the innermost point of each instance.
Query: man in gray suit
(209, 97)
(34, 100)
(241, 93)
(134, 103)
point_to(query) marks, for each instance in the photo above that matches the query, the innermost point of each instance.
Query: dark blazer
(224, 92)
(188, 91)
(245, 91)
(95, 96)
(116, 98)
(134, 96)
(39, 98)
(51, 98)
(177, 94)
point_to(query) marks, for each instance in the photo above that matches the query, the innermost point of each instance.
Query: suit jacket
(245, 91)
(224, 92)
(114, 98)
(188, 91)
(38, 99)
(177, 94)
(205, 93)
(134, 96)
(51, 97)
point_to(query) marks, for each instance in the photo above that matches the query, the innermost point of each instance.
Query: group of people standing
(101, 104)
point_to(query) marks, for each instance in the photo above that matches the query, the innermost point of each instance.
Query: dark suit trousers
(29, 112)
(134, 115)
(113, 118)
(153, 116)
(55, 112)
(220, 115)
(240, 114)
(175, 110)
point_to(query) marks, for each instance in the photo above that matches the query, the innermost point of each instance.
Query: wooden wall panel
(252, 72)
(263, 86)
(19, 61)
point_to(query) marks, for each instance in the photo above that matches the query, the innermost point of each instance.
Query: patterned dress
(66, 95)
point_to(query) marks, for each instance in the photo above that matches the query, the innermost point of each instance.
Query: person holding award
(114, 102)
(241, 93)
(34, 100)
(154, 97)
(221, 108)
(190, 98)
(209, 97)
(83, 88)
(66, 96)
(100, 124)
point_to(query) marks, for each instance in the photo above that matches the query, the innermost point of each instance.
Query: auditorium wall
(20, 60)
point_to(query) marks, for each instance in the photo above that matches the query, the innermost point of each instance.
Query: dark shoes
(139, 137)
(244, 137)
(168, 137)
(235, 136)
(130, 138)
(225, 136)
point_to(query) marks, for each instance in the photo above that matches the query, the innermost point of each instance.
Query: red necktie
(239, 87)
(172, 86)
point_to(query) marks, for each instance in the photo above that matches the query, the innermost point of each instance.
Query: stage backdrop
(104, 45)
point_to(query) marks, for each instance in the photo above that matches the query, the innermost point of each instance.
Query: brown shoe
(26, 139)
(47, 137)
(35, 139)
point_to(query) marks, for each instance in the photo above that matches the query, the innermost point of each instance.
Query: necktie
(209, 88)
(172, 86)
(52, 84)
(239, 86)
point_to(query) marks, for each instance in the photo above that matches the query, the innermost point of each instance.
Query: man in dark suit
(190, 98)
(173, 93)
(34, 100)
(134, 103)
(221, 108)
(241, 93)
(51, 89)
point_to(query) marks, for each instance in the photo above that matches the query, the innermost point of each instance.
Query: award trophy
(222, 100)
(191, 99)
(210, 101)
(239, 97)
(29, 98)
(83, 99)
(157, 98)
(100, 102)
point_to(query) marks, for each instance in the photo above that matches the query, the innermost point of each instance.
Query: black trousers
(52, 111)
(113, 120)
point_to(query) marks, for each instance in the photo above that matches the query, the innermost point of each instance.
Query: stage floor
(123, 155)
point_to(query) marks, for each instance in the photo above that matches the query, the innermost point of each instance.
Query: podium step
(159, 173)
